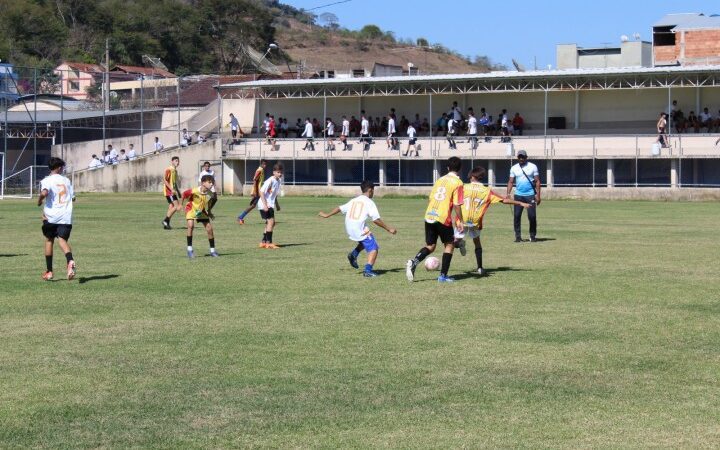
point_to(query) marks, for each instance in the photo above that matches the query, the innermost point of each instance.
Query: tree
(371, 32)
(330, 20)
(422, 42)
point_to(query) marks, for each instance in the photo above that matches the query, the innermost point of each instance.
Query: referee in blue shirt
(525, 177)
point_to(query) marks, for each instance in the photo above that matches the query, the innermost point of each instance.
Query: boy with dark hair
(206, 170)
(267, 204)
(446, 197)
(356, 213)
(258, 180)
(57, 193)
(477, 199)
(197, 210)
(171, 191)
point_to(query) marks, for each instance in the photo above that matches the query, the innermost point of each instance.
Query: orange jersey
(478, 199)
(171, 179)
(258, 181)
(446, 193)
(197, 203)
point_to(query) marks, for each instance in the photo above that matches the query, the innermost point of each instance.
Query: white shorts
(471, 231)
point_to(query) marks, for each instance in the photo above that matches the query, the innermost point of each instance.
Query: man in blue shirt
(525, 177)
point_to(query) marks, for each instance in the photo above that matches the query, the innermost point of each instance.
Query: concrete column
(491, 172)
(697, 101)
(577, 110)
(381, 173)
(549, 174)
(330, 172)
(673, 173)
(231, 182)
(610, 173)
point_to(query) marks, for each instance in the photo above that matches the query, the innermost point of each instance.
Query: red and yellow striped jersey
(478, 199)
(258, 181)
(446, 193)
(171, 179)
(197, 203)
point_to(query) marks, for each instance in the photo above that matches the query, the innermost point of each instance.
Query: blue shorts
(370, 243)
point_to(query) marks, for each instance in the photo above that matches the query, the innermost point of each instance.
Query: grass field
(604, 335)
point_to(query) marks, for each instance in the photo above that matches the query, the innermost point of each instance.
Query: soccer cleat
(190, 254)
(166, 225)
(517, 239)
(533, 239)
(71, 270)
(461, 246)
(214, 254)
(47, 276)
(482, 272)
(353, 261)
(272, 246)
(240, 221)
(369, 274)
(410, 270)
(445, 279)
(262, 245)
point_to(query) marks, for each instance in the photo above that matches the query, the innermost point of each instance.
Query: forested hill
(200, 36)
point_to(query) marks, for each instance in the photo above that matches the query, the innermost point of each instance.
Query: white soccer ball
(432, 263)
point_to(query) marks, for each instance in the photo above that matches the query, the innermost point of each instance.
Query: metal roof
(689, 21)
(55, 116)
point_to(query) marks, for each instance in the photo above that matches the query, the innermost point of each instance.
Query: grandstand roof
(689, 21)
(56, 116)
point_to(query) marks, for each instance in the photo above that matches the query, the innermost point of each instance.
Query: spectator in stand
(365, 132)
(505, 132)
(95, 162)
(345, 132)
(354, 126)
(425, 126)
(308, 134)
(717, 122)
(299, 128)
(706, 119)
(234, 126)
(518, 123)
(679, 122)
(317, 129)
(416, 123)
(106, 157)
(329, 134)
(451, 133)
(404, 124)
(272, 133)
(184, 142)
(693, 121)
(391, 140)
(284, 127)
(455, 113)
(114, 154)
(441, 124)
(200, 137)
(266, 127)
(412, 140)
(131, 152)
(662, 130)
(380, 125)
(158, 145)
(472, 130)
(122, 157)
(383, 126)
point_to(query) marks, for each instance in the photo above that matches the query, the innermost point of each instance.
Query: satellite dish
(636, 36)
(624, 38)
(257, 59)
(154, 62)
(519, 67)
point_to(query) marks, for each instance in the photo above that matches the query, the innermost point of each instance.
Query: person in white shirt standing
(472, 131)
(345, 132)
(451, 128)
(356, 213)
(329, 134)
(412, 141)
(206, 170)
(56, 192)
(95, 163)
(365, 132)
(131, 152)
(158, 145)
(308, 134)
(268, 204)
(391, 132)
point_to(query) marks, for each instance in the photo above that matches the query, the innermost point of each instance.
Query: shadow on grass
(12, 255)
(488, 272)
(207, 255)
(293, 245)
(545, 239)
(83, 280)
(384, 271)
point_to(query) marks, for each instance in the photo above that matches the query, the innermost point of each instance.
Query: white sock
(190, 248)
(212, 249)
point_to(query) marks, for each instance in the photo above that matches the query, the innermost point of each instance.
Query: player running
(446, 196)
(197, 210)
(57, 193)
(171, 191)
(477, 198)
(356, 213)
(258, 180)
(268, 204)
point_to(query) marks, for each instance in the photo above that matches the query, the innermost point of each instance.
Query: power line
(329, 4)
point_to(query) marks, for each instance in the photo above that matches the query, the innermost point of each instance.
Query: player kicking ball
(197, 210)
(57, 193)
(477, 198)
(356, 213)
(268, 203)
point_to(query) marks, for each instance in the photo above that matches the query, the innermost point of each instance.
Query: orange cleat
(240, 221)
(71, 270)
(262, 245)
(272, 246)
(47, 276)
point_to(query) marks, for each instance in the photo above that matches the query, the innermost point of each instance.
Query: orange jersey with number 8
(446, 193)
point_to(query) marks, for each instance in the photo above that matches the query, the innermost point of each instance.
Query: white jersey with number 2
(356, 213)
(59, 201)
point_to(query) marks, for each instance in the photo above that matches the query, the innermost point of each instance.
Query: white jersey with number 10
(356, 213)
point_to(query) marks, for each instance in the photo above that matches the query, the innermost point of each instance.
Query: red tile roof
(148, 71)
(84, 67)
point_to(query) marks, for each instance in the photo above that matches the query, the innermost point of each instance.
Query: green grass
(605, 335)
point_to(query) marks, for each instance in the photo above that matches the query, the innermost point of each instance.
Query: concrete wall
(170, 117)
(145, 174)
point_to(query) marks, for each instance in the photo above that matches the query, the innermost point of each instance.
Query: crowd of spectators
(111, 156)
(693, 122)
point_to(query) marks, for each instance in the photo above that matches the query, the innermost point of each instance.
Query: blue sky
(525, 30)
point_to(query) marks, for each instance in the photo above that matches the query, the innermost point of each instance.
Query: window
(74, 85)
(663, 36)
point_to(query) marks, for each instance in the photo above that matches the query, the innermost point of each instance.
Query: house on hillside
(126, 73)
(8, 83)
(77, 77)
(686, 39)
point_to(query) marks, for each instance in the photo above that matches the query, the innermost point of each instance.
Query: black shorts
(202, 221)
(234, 133)
(435, 230)
(171, 198)
(267, 215)
(56, 230)
(412, 141)
(254, 200)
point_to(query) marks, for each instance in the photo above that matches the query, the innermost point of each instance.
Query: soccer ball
(432, 263)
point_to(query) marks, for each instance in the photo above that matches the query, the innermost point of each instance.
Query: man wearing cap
(525, 177)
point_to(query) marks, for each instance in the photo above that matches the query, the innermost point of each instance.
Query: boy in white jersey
(345, 132)
(268, 204)
(356, 213)
(57, 193)
(206, 170)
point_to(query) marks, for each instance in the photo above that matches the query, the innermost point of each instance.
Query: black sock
(447, 257)
(478, 256)
(189, 241)
(422, 254)
(212, 242)
(48, 263)
(265, 236)
(269, 237)
(360, 247)
(167, 219)
(68, 256)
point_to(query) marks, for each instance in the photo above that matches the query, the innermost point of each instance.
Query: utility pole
(106, 100)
